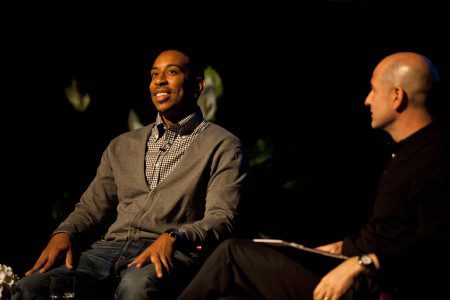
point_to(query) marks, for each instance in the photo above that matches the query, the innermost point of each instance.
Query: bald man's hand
(336, 283)
(334, 248)
(59, 246)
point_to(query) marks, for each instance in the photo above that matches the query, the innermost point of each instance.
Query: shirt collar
(183, 127)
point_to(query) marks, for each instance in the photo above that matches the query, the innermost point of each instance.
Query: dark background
(293, 77)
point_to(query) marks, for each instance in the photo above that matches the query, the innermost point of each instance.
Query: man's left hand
(334, 248)
(338, 281)
(159, 253)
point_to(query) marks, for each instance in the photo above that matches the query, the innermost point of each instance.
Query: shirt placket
(161, 163)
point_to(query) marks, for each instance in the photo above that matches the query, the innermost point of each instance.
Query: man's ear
(201, 84)
(400, 99)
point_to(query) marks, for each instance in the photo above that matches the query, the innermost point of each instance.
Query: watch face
(366, 260)
(172, 232)
(175, 233)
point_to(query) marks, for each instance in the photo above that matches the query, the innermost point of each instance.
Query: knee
(230, 245)
(138, 284)
(228, 251)
(34, 286)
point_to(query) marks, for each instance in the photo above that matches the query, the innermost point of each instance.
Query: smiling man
(175, 184)
(172, 79)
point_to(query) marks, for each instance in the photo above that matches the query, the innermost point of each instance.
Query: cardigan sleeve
(224, 193)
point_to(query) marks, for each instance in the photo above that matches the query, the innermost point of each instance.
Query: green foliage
(211, 95)
(79, 100)
(261, 153)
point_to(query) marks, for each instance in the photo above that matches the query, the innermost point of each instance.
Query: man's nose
(161, 79)
(367, 100)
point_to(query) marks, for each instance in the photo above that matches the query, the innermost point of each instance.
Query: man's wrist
(176, 233)
(179, 236)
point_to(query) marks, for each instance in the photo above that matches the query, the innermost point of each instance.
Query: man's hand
(58, 247)
(160, 252)
(335, 248)
(339, 280)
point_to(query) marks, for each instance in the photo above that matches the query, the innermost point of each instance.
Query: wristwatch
(179, 235)
(366, 262)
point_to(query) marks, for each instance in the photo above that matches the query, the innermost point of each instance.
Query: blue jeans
(102, 270)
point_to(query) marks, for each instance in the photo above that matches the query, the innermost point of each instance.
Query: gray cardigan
(200, 195)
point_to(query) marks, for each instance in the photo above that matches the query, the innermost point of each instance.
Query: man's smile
(162, 96)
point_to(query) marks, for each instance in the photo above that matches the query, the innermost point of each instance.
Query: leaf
(208, 100)
(133, 120)
(79, 102)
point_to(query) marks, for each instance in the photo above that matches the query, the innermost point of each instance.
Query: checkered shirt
(167, 144)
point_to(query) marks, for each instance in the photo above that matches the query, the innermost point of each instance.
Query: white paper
(297, 246)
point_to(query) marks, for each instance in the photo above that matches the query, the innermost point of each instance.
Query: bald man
(410, 223)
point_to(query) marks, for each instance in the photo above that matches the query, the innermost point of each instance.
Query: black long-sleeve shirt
(412, 209)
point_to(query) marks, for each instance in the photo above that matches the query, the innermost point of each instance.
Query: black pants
(244, 269)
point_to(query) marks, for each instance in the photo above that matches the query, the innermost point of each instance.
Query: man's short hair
(197, 64)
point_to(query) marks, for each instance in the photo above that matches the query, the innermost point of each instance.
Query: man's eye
(172, 72)
(154, 75)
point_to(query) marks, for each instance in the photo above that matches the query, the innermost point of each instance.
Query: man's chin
(162, 107)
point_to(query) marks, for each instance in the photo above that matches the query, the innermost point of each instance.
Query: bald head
(412, 72)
